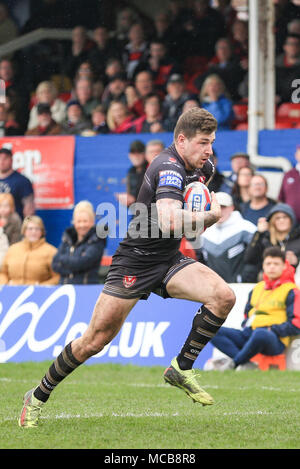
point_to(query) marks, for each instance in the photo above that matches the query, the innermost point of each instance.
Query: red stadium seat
(284, 124)
(242, 126)
(241, 112)
(266, 362)
(288, 112)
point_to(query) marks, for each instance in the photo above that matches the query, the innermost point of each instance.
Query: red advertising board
(48, 163)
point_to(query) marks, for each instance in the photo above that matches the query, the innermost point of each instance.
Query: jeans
(241, 345)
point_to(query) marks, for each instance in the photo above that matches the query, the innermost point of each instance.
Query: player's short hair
(195, 120)
(274, 251)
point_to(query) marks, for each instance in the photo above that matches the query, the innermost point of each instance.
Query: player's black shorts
(129, 278)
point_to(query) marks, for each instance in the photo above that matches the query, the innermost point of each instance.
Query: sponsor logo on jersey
(170, 178)
(129, 280)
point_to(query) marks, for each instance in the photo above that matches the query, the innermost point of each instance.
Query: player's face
(273, 267)
(197, 150)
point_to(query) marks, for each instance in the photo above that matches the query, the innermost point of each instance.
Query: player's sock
(204, 328)
(64, 364)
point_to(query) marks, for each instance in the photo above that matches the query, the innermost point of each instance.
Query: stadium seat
(241, 112)
(284, 124)
(288, 113)
(267, 362)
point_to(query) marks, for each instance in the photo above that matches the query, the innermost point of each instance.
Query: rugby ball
(196, 199)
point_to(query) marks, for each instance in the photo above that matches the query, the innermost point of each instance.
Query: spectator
(259, 204)
(10, 221)
(227, 66)
(85, 70)
(84, 94)
(46, 124)
(238, 160)
(119, 118)
(224, 243)
(271, 317)
(79, 52)
(4, 245)
(113, 67)
(115, 90)
(135, 174)
(15, 183)
(163, 30)
(152, 121)
(16, 93)
(105, 48)
(277, 229)
(153, 148)
(228, 12)
(136, 50)
(290, 187)
(287, 68)
(135, 95)
(240, 190)
(8, 126)
(192, 102)
(8, 28)
(240, 41)
(46, 93)
(99, 124)
(159, 63)
(79, 255)
(124, 20)
(214, 98)
(76, 121)
(174, 101)
(28, 262)
(218, 178)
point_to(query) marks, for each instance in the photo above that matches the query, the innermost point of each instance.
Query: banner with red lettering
(48, 163)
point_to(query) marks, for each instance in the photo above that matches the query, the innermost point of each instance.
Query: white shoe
(221, 364)
(247, 366)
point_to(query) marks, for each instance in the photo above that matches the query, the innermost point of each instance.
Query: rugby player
(152, 263)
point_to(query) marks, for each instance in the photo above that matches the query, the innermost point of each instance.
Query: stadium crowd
(131, 74)
(137, 76)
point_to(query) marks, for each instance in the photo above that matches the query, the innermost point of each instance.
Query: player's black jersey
(166, 177)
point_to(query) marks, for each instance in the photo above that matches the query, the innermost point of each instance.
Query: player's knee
(225, 300)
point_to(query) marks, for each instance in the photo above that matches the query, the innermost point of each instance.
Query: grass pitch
(129, 407)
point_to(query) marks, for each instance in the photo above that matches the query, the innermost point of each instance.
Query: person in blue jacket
(213, 98)
(79, 255)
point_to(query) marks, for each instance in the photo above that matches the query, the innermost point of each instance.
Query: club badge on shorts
(129, 280)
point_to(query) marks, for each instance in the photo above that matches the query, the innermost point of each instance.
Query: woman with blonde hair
(28, 262)
(215, 98)
(119, 118)
(80, 252)
(10, 220)
(46, 92)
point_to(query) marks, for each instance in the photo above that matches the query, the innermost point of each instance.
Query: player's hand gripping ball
(196, 199)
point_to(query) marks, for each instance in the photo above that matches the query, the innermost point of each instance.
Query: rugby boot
(31, 411)
(188, 382)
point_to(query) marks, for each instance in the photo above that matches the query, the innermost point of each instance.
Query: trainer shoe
(31, 411)
(187, 381)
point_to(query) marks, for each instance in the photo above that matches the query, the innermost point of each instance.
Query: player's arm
(173, 219)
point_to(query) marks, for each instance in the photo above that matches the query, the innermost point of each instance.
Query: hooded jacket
(275, 304)
(224, 244)
(78, 262)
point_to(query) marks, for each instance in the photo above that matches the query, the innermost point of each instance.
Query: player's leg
(196, 282)
(109, 314)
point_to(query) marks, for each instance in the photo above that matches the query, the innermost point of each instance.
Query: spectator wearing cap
(259, 204)
(290, 188)
(135, 174)
(278, 228)
(224, 243)
(174, 100)
(76, 121)
(46, 93)
(16, 184)
(115, 90)
(238, 160)
(46, 124)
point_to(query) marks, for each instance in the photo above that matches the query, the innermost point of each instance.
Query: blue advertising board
(37, 322)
